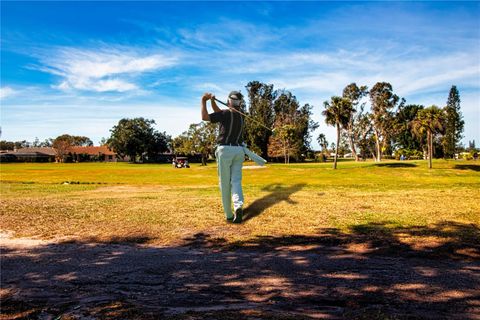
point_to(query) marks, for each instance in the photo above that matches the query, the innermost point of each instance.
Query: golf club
(245, 115)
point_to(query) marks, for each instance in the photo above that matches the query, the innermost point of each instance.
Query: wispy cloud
(329, 72)
(101, 70)
(209, 86)
(408, 75)
(242, 50)
(229, 34)
(6, 92)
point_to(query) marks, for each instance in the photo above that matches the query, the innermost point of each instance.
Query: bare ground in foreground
(329, 276)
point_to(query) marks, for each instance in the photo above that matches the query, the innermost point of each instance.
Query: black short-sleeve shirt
(231, 126)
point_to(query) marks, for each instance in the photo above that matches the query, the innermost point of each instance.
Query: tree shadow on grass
(277, 193)
(368, 272)
(396, 165)
(474, 167)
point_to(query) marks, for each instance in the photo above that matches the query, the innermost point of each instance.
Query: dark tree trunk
(352, 146)
(377, 144)
(336, 147)
(430, 147)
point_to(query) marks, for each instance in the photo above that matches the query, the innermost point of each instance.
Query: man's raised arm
(205, 97)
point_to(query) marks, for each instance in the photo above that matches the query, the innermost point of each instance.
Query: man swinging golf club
(229, 153)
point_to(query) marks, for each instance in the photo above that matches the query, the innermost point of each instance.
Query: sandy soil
(302, 278)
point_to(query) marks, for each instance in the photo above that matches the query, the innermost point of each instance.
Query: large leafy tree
(364, 132)
(49, 142)
(61, 145)
(79, 141)
(64, 142)
(337, 113)
(137, 138)
(183, 144)
(199, 138)
(268, 108)
(288, 112)
(22, 144)
(306, 126)
(454, 123)
(260, 109)
(354, 94)
(432, 122)
(7, 145)
(383, 104)
(404, 138)
(284, 142)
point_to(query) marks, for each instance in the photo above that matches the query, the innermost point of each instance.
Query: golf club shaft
(243, 114)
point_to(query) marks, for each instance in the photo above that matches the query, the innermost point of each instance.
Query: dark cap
(235, 95)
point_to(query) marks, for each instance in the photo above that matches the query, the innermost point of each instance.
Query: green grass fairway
(166, 205)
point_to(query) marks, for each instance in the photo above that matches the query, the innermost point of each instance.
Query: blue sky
(79, 67)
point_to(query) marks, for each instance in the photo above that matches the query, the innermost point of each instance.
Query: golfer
(230, 154)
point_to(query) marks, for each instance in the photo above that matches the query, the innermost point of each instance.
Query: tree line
(390, 127)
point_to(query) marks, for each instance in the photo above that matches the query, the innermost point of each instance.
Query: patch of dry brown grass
(280, 201)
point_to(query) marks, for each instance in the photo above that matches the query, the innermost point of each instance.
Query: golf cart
(180, 162)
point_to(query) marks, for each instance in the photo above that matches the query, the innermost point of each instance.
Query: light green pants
(230, 161)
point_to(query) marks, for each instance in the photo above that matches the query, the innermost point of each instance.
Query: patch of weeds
(82, 182)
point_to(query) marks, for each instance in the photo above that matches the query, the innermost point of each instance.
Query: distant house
(74, 154)
(34, 154)
(101, 153)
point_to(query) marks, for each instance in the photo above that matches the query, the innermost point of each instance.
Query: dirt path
(268, 279)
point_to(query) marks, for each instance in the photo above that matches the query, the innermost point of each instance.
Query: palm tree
(337, 113)
(432, 121)
(322, 141)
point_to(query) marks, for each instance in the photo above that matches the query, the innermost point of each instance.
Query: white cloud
(261, 52)
(229, 34)
(208, 86)
(429, 73)
(97, 85)
(6, 92)
(101, 70)
(331, 72)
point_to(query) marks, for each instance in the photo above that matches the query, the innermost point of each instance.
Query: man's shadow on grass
(473, 167)
(277, 193)
(396, 165)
